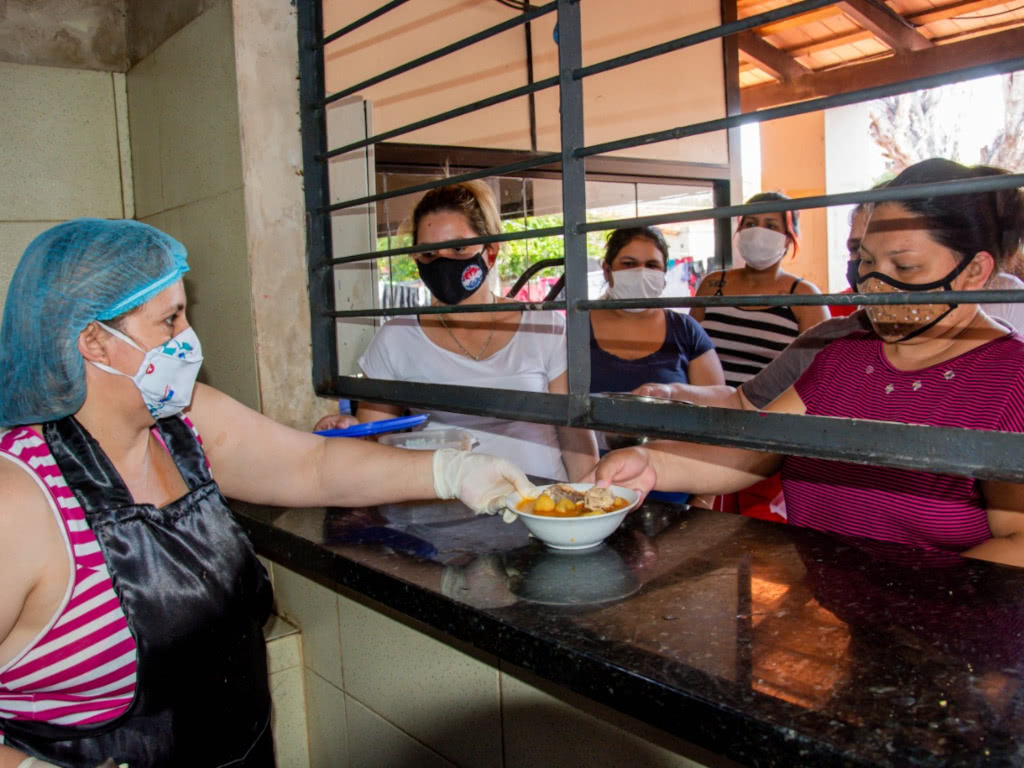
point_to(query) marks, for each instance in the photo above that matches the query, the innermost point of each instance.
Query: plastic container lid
(432, 439)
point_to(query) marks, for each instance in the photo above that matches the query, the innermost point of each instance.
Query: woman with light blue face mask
(109, 510)
(637, 345)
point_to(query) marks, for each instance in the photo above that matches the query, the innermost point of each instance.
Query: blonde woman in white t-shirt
(522, 351)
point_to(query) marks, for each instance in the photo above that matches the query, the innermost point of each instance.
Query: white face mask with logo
(167, 373)
(637, 283)
(760, 247)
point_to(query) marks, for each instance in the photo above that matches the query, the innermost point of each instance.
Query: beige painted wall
(793, 162)
(63, 144)
(183, 118)
(676, 89)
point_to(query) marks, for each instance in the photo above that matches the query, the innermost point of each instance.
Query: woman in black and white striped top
(748, 338)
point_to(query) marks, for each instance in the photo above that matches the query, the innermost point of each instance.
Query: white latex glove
(478, 480)
(35, 762)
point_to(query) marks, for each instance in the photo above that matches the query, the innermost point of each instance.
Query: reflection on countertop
(766, 643)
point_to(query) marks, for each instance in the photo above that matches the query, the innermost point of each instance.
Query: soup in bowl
(574, 515)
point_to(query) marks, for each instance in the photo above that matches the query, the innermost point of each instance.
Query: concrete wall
(183, 120)
(77, 34)
(64, 153)
(104, 35)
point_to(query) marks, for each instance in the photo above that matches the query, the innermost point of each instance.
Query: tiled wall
(381, 690)
(187, 166)
(63, 143)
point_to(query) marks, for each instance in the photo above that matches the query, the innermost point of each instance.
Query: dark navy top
(685, 340)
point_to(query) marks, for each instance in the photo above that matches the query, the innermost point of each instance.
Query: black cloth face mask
(918, 318)
(452, 281)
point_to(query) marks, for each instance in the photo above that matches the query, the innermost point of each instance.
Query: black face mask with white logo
(452, 281)
(903, 321)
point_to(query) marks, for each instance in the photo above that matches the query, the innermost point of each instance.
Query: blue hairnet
(77, 272)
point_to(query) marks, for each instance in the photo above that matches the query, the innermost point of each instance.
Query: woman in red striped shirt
(132, 604)
(939, 364)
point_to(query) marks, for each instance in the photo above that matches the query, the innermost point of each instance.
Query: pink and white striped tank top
(981, 389)
(81, 668)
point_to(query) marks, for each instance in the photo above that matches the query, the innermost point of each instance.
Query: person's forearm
(356, 473)
(1008, 550)
(697, 468)
(579, 451)
(716, 396)
(12, 758)
(377, 412)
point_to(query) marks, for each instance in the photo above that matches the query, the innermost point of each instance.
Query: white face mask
(637, 283)
(167, 374)
(760, 247)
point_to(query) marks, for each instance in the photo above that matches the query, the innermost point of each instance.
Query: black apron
(195, 598)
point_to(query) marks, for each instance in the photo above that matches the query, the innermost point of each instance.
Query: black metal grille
(967, 452)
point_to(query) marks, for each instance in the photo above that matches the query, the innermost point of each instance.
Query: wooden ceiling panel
(992, 48)
(790, 38)
(854, 34)
(832, 42)
(960, 8)
(828, 12)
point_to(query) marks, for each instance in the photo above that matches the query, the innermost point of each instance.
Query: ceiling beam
(976, 51)
(943, 12)
(769, 58)
(930, 16)
(891, 28)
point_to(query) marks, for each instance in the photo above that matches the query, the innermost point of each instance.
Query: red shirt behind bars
(982, 389)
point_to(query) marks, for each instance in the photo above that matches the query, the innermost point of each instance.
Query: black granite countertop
(768, 644)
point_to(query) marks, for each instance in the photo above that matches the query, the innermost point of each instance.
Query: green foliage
(516, 255)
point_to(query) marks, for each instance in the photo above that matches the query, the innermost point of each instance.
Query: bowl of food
(574, 515)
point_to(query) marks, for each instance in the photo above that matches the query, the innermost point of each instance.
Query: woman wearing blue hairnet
(132, 602)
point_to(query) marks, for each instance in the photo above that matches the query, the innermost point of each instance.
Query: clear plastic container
(431, 439)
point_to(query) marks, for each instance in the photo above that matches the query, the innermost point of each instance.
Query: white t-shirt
(534, 357)
(1011, 313)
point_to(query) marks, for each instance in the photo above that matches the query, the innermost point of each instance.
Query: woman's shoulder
(681, 321)
(23, 505)
(712, 281)
(1008, 349)
(543, 319)
(399, 325)
(797, 284)
(398, 331)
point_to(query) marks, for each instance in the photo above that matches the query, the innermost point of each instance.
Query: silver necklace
(459, 343)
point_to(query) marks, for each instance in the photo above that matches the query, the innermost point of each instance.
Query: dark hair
(473, 199)
(791, 219)
(620, 238)
(967, 222)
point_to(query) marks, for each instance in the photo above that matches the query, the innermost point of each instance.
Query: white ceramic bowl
(575, 532)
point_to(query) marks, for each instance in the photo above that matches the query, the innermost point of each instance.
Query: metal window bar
(360, 22)
(465, 42)
(909, 192)
(620, 61)
(990, 455)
